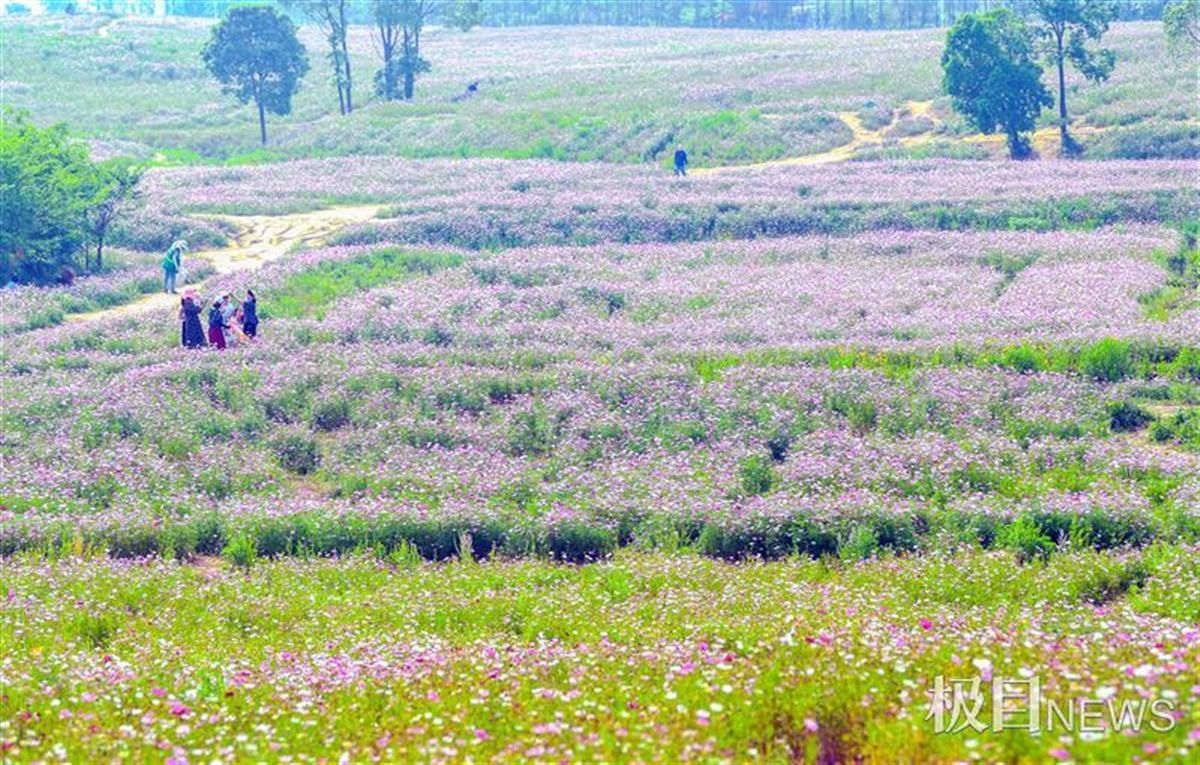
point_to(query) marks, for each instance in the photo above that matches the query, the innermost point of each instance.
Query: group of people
(229, 322)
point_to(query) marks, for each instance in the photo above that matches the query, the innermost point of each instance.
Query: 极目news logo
(994, 703)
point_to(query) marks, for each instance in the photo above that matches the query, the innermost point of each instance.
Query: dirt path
(860, 136)
(260, 239)
(1045, 140)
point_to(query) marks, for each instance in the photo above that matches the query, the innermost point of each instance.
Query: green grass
(311, 292)
(143, 90)
(630, 660)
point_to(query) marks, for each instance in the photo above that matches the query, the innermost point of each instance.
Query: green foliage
(253, 52)
(1179, 293)
(310, 292)
(331, 415)
(535, 432)
(756, 476)
(1025, 538)
(1108, 360)
(1181, 23)
(860, 545)
(862, 413)
(112, 189)
(991, 76)
(580, 542)
(55, 200)
(297, 453)
(397, 27)
(463, 15)
(1067, 27)
(1124, 416)
(1182, 428)
(241, 551)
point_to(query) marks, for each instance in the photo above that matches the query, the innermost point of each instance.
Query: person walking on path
(681, 161)
(250, 314)
(172, 262)
(216, 325)
(189, 312)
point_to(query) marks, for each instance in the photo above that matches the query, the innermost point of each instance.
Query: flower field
(606, 94)
(571, 462)
(645, 659)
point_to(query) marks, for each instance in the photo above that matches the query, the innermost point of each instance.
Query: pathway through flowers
(260, 239)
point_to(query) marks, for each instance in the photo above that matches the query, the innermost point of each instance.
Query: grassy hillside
(597, 94)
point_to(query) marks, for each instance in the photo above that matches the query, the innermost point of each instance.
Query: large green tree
(989, 72)
(55, 200)
(254, 54)
(42, 180)
(1069, 27)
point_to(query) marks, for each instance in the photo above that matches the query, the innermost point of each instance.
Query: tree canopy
(254, 54)
(56, 200)
(1070, 28)
(333, 18)
(1181, 21)
(992, 78)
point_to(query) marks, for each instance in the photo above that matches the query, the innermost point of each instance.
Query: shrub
(297, 453)
(1025, 538)
(863, 416)
(756, 476)
(1021, 358)
(1109, 360)
(763, 539)
(861, 544)
(580, 542)
(241, 551)
(779, 444)
(331, 415)
(1124, 416)
(535, 432)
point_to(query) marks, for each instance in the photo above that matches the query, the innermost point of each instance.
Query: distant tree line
(746, 14)
(763, 14)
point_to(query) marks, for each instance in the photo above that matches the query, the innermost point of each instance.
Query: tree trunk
(1064, 136)
(262, 120)
(408, 85)
(346, 58)
(99, 252)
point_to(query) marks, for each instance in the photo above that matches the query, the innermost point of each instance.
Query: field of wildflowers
(582, 463)
(731, 96)
(647, 658)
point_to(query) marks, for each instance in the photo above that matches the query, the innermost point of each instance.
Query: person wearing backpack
(172, 262)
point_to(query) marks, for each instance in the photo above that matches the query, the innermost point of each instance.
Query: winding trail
(1045, 140)
(260, 239)
(860, 136)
